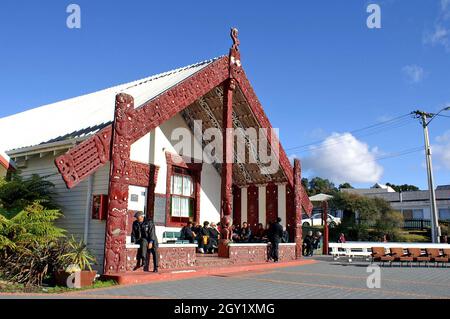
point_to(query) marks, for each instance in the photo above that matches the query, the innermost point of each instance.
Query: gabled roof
(84, 114)
(155, 99)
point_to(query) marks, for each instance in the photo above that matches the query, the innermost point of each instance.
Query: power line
(402, 153)
(372, 129)
(340, 139)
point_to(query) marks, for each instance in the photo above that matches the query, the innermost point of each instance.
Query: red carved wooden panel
(139, 174)
(290, 211)
(298, 200)
(271, 202)
(237, 206)
(253, 206)
(264, 122)
(88, 156)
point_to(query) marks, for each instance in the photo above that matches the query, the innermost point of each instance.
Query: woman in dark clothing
(246, 233)
(235, 231)
(259, 234)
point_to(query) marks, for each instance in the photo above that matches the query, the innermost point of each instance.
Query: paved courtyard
(325, 279)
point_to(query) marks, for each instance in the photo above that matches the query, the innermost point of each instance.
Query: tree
(319, 185)
(305, 184)
(345, 185)
(18, 193)
(29, 239)
(403, 188)
(375, 217)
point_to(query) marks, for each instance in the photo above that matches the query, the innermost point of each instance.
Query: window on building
(444, 213)
(182, 195)
(413, 213)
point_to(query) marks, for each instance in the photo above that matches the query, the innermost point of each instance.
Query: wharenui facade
(124, 149)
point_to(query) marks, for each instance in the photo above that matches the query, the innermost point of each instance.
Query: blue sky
(315, 66)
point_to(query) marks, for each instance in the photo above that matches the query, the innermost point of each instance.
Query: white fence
(364, 249)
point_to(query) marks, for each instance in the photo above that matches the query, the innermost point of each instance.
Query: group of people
(311, 242)
(244, 234)
(207, 236)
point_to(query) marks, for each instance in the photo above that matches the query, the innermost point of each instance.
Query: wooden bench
(350, 250)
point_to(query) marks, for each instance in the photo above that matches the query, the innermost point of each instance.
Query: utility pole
(435, 229)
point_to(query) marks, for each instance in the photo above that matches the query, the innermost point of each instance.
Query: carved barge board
(87, 157)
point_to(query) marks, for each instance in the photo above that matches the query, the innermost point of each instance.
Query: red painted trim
(298, 200)
(252, 206)
(85, 158)
(237, 205)
(271, 202)
(325, 227)
(290, 211)
(6, 164)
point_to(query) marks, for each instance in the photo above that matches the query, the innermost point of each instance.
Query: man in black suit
(275, 236)
(144, 234)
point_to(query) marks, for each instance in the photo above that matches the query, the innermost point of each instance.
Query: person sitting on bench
(187, 233)
(246, 233)
(214, 237)
(144, 235)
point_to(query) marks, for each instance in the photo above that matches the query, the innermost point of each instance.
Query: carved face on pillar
(226, 221)
(226, 208)
(119, 196)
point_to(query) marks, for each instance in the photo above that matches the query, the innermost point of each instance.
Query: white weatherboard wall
(152, 148)
(73, 202)
(282, 203)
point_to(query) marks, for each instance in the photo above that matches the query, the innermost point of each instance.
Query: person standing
(275, 237)
(341, 238)
(308, 244)
(316, 241)
(144, 234)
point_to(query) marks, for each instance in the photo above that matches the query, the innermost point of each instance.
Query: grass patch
(9, 287)
(410, 237)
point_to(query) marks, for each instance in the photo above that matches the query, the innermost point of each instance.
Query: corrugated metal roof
(84, 114)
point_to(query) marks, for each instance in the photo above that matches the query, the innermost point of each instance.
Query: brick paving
(325, 279)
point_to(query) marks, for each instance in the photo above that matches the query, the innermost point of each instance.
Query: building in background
(412, 204)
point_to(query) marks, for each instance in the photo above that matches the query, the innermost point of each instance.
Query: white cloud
(343, 158)
(441, 150)
(414, 73)
(440, 35)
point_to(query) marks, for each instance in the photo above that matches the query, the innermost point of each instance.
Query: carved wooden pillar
(298, 207)
(227, 165)
(227, 131)
(325, 227)
(115, 241)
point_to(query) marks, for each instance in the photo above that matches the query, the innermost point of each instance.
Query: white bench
(364, 249)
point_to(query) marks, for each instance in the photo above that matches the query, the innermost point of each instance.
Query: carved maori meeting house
(113, 152)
